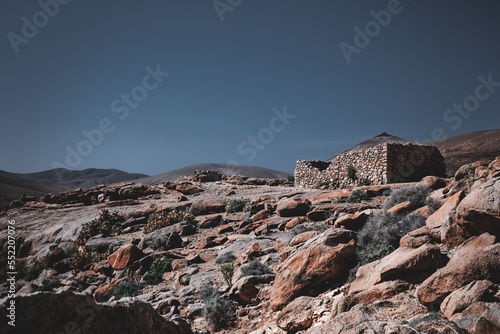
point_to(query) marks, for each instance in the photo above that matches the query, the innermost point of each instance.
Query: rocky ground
(231, 254)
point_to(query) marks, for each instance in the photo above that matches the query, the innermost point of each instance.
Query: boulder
(208, 206)
(298, 315)
(401, 208)
(354, 221)
(244, 290)
(303, 237)
(78, 313)
(317, 263)
(288, 207)
(188, 189)
(479, 211)
(125, 256)
(439, 222)
(408, 264)
(434, 182)
(211, 221)
(416, 238)
(476, 259)
(460, 299)
(317, 215)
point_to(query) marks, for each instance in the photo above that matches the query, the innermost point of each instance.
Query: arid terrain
(231, 254)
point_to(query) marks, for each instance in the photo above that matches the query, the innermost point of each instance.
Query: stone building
(380, 160)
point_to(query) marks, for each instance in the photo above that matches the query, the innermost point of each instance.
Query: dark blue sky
(226, 78)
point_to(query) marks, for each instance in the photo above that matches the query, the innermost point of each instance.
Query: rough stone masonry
(381, 164)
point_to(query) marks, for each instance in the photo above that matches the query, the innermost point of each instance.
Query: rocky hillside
(86, 178)
(461, 149)
(227, 169)
(232, 254)
(13, 187)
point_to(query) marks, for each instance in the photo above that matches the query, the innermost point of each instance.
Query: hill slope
(86, 178)
(250, 171)
(468, 147)
(12, 187)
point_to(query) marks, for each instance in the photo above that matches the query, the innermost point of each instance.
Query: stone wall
(385, 163)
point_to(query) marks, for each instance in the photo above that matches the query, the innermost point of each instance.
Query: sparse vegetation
(381, 234)
(364, 182)
(162, 219)
(429, 317)
(417, 195)
(83, 259)
(227, 270)
(432, 204)
(322, 184)
(386, 192)
(158, 268)
(290, 178)
(127, 289)
(235, 206)
(107, 224)
(470, 172)
(351, 173)
(255, 268)
(225, 258)
(357, 196)
(218, 311)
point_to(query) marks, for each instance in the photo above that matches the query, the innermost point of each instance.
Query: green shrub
(107, 224)
(127, 289)
(351, 172)
(158, 268)
(162, 219)
(429, 317)
(31, 273)
(364, 182)
(417, 195)
(227, 270)
(470, 172)
(255, 268)
(218, 311)
(83, 259)
(340, 200)
(386, 192)
(235, 206)
(290, 178)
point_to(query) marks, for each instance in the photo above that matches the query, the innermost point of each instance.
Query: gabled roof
(372, 142)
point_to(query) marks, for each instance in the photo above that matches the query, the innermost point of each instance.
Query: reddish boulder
(476, 259)
(321, 260)
(125, 256)
(460, 299)
(354, 221)
(288, 207)
(205, 207)
(440, 221)
(298, 315)
(401, 208)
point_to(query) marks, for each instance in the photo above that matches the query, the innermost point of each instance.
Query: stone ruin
(387, 162)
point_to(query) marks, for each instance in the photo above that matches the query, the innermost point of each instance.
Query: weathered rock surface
(404, 263)
(316, 263)
(476, 259)
(124, 257)
(298, 315)
(460, 299)
(288, 207)
(70, 312)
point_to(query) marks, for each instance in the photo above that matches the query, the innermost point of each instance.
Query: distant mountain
(12, 187)
(468, 147)
(250, 171)
(372, 142)
(86, 178)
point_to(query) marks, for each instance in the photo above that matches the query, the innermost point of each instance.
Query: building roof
(372, 142)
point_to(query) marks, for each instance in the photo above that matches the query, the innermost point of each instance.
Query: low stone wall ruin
(382, 164)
